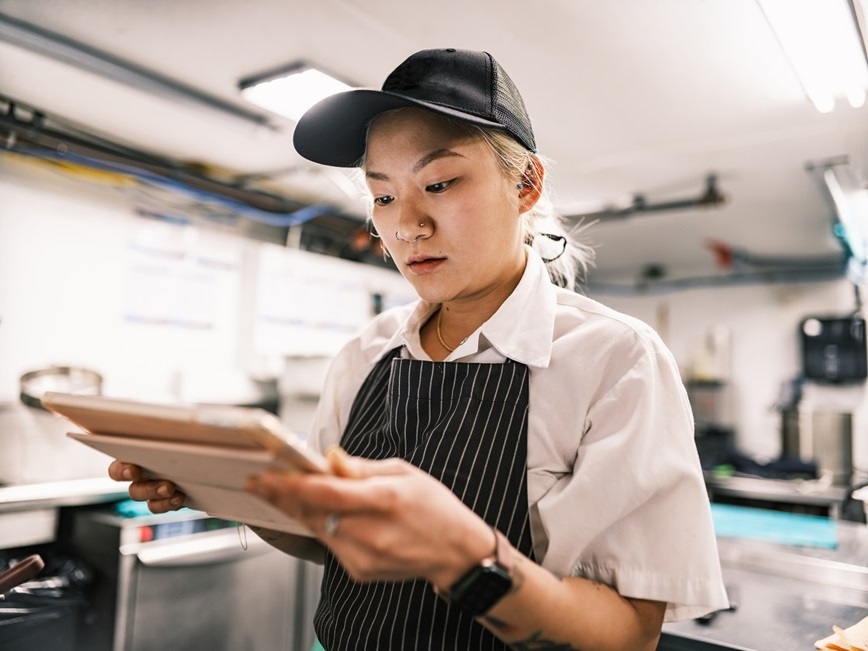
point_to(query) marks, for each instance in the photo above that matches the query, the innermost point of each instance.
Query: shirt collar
(522, 329)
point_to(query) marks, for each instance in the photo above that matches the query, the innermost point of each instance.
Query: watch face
(483, 587)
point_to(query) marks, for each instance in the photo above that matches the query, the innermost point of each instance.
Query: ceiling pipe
(832, 271)
(17, 135)
(65, 50)
(729, 257)
(710, 198)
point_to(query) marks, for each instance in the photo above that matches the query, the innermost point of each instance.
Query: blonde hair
(567, 259)
(544, 229)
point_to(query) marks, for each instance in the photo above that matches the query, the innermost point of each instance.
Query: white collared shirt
(615, 489)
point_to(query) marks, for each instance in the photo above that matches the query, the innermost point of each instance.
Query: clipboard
(207, 451)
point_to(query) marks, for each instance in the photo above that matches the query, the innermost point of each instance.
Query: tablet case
(207, 452)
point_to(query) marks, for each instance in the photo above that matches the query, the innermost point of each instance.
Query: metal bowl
(63, 379)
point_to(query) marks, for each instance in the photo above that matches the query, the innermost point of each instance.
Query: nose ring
(413, 241)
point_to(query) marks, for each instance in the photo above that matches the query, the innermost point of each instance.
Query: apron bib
(466, 425)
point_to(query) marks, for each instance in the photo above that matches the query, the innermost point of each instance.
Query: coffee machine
(816, 408)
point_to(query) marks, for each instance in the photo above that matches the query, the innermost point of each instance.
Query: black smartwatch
(482, 587)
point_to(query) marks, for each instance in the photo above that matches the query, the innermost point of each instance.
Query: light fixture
(821, 39)
(85, 57)
(291, 90)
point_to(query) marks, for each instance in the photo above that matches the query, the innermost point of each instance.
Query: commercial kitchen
(162, 241)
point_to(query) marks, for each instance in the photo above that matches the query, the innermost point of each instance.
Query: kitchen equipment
(34, 442)
(826, 437)
(64, 379)
(43, 612)
(22, 571)
(788, 407)
(710, 401)
(834, 349)
(183, 580)
(817, 428)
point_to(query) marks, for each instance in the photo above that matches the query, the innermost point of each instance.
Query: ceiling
(627, 97)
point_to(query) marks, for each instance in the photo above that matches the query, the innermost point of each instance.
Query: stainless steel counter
(785, 597)
(29, 512)
(815, 493)
(73, 492)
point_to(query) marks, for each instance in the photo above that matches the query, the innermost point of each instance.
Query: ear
(531, 184)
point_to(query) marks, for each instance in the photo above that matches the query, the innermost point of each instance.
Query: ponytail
(567, 259)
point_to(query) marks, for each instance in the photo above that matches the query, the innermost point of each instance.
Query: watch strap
(502, 551)
(486, 583)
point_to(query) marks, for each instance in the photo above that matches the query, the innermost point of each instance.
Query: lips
(420, 264)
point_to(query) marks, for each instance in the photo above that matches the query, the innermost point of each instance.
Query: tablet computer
(207, 451)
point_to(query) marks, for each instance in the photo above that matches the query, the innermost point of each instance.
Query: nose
(413, 224)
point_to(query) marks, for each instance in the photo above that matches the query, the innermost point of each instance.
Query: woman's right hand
(161, 495)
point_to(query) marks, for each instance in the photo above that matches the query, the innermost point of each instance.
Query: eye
(385, 200)
(442, 186)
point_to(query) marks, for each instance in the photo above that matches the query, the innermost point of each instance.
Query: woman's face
(445, 211)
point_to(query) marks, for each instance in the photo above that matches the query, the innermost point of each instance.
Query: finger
(338, 461)
(297, 494)
(164, 505)
(121, 471)
(343, 465)
(151, 490)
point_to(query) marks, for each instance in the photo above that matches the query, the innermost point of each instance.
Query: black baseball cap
(463, 84)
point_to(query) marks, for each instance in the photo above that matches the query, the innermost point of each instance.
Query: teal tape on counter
(774, 526)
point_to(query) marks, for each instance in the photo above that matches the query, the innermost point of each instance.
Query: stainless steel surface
(204, 549)
(67, 379)
(195, 588)
(75, 492)
(34, 526)
(786, 597)
(685, 642)
(820, 493)
(797, 566)
(243, 603)
(827, 438)
(776, 613)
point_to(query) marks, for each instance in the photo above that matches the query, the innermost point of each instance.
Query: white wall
(153, 306)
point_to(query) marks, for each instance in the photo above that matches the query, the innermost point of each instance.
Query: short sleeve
(343, 380)
(634, 514)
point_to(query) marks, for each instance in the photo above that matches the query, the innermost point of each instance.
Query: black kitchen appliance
(833, 349)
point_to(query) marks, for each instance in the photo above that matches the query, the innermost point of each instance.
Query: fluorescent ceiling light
(290, 91)
(823, 44)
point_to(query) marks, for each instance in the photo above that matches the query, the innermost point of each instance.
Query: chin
(429, 292)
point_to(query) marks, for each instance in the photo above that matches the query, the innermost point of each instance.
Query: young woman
(514, 464)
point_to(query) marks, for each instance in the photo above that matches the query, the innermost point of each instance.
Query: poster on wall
(180, 277)
(310, 305)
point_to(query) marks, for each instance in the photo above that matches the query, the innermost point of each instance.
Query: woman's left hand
(394, 521)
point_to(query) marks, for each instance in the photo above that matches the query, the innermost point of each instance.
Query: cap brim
(333, 131)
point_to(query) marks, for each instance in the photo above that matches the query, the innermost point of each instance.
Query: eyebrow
(427, 159)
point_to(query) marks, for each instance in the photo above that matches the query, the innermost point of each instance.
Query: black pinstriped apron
(466, 425)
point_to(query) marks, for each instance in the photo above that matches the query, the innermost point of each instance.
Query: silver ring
(332, 522)
(401, 239)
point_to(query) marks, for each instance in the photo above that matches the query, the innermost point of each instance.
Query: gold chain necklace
(440, 336)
